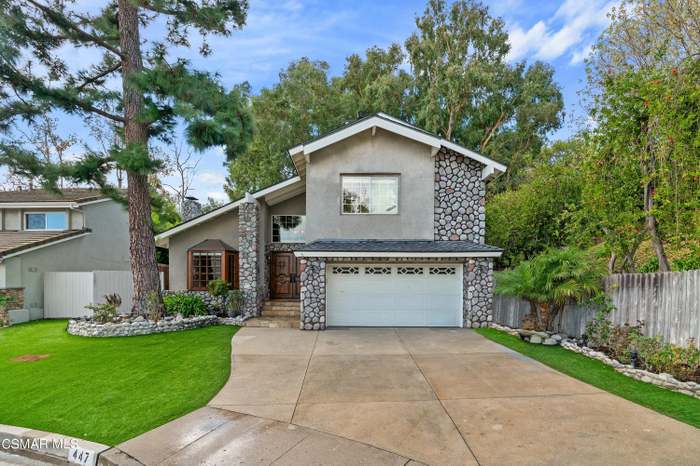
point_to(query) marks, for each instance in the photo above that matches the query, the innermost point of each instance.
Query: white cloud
(210, 178)
(574, 23)
(579, 55)
(218, 195)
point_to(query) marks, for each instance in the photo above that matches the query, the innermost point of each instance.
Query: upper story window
(46, 221)
(370, 194)
(288, 228)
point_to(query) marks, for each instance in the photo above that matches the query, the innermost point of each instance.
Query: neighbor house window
(212, 260)
(373, 194)
(288, 228)
(46, 221)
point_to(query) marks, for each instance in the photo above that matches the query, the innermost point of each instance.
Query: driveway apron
(394, 396)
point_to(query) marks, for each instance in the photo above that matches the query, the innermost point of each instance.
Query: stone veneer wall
(16, 302)
(459, 198)
(478, 292)
(248, 218)
(313, 294)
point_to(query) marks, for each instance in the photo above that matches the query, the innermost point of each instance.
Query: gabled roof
(394, 125)
(286, 185)
(50, 199)
(14, 243)
(402, 248)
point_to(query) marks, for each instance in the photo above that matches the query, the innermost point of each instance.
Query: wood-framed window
(211, 260)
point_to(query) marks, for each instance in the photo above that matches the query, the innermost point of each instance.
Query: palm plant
(550, 281)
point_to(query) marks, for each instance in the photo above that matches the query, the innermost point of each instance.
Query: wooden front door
(284, 275)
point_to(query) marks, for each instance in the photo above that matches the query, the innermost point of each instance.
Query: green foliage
(234, 302)
(218, 287)
(652, 265)
(184, 304)
(460, 86)
(690, 262)
(164, 214)
(537, 215)
(103, 312)
(550, 281)
(683, 362)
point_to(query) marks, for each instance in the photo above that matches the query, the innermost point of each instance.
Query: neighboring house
(383, 226)
(40, 232)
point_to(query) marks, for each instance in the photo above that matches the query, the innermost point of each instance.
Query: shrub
(218, 287)
(652, 354)
(550, 281)
(187, 305)
(103, 312)
(234, 302)
(681, 362)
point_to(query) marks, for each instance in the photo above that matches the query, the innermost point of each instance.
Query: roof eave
(382, 254)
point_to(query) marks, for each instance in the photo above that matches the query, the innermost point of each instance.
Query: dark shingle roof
(15, 241)
(397, 246)
(41, 195)
(212, 245)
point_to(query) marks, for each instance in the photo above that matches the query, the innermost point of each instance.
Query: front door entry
(284, 275)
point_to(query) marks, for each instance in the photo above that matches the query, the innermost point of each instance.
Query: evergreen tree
(133, 84)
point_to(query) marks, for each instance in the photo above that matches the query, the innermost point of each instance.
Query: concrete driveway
(388, 396)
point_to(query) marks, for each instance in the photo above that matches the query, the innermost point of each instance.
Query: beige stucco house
(383, 225)
(40, 232)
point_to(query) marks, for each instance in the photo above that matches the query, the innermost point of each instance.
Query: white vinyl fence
(667, 302)
(67, 293)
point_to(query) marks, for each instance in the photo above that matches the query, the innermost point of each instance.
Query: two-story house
(80, 230)
(382, 226)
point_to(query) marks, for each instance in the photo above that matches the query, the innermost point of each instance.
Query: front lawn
(107, 390)
(676, 405)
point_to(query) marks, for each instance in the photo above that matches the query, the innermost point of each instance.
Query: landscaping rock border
(533, 336)
(127, 326)
(662, 380)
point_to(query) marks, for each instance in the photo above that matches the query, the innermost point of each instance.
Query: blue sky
(279, 31)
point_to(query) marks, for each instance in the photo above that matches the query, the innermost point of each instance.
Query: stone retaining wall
(137, 326)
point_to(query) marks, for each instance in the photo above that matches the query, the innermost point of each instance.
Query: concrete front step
(272, 322)
(267, 312)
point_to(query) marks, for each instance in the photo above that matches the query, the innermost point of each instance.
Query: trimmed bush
(187, 305)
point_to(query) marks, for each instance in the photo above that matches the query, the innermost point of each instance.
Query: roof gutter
(41, 246)
(397, 254)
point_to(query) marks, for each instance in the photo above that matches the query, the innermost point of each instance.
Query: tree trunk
(651, 227)
(144, 270)
(611, 263)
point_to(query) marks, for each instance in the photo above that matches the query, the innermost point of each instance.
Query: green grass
(676, 405)
(108, 389)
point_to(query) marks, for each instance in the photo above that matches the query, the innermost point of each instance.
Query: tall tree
(43, 137)
(466, 92)
(642, 78)
(132, 84)
(376, 83)
(301, 106)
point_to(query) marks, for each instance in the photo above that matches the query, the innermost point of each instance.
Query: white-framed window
(45, 221)
(370, 194)
(288, 228)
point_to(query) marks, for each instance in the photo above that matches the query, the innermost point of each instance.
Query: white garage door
(404, 295)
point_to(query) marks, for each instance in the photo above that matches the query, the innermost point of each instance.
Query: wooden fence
(668, 303)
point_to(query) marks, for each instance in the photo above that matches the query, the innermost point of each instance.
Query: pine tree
(133, 85)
